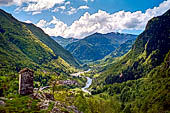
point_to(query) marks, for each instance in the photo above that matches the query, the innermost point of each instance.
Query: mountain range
(120, 51)
(129, 73)
(97, 46)
(64, 41)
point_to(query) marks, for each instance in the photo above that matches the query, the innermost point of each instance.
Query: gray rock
(2, 103)
(49, 96)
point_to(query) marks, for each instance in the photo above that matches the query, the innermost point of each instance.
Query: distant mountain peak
(64, 41)
(97, 45)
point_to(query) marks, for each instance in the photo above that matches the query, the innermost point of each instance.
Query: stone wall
(26, 81)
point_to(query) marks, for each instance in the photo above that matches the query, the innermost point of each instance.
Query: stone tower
(26, 81)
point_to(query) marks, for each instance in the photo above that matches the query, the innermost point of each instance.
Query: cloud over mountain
(103, 22)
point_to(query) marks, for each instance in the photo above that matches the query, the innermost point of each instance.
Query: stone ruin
(26, 81)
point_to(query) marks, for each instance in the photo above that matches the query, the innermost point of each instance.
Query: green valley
(140, 79)
(97, 46)
(107, 73)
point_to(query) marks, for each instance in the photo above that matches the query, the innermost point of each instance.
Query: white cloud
(74, 10)
(42, 23)
(103, 22)
(35, 13)
(58, 29)
(67, 3)
(61, 8)
(39, 5)
(35, 6)
(83, 7)
(58, 8)
(88, 0)
(28, 21)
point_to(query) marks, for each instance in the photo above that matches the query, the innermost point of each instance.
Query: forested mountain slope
(120, 51)
(149, 51)
(25, 45)
(141, 78)
(97, 46)
(58, 50)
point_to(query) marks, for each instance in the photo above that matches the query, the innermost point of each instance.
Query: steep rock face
(155, 37)
(97, 46)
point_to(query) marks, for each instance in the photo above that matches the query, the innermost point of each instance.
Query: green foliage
(97, 104)
(120, 51)
(57, 49)
(25, 45)
(149, 51)
(141, 77)
(19, 104)
(9, 84)
(81, 103)
(97, 46)
(138, 82)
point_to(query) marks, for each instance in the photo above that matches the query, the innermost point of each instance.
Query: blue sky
(80, 18)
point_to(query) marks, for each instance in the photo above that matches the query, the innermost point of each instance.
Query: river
(88, 83)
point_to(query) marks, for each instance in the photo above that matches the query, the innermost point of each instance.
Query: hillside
(149, 49)
(97, 46)
(140, 79)
(25, 45)
(134, 77)
(64, 41)
(120, 51)
(57, 49)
